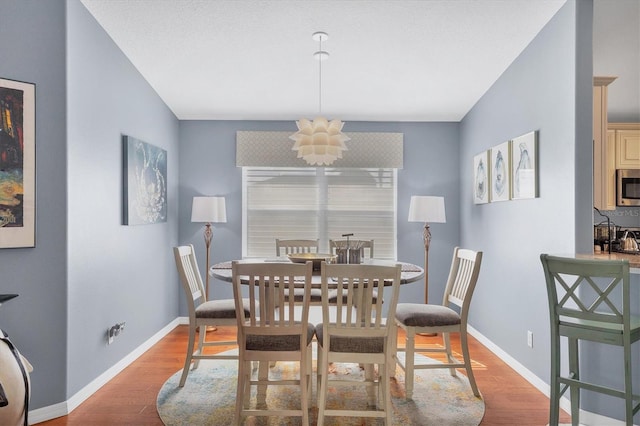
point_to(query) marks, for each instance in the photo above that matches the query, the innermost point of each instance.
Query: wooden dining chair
(359, 334)
(416, 318)
(202, 312)
(285, 247)
(589, 300)
(337, 245)
(272, 332)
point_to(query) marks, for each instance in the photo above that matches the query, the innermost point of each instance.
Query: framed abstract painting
(500, 172)
(481, 176)
(145, 182)
(17, 164)
(524, 175)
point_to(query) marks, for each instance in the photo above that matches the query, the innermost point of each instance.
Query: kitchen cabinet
(604, 168)
(627, 136)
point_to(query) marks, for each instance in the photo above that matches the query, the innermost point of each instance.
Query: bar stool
(589, 300)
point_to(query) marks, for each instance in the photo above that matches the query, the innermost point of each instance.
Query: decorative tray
(316, 258)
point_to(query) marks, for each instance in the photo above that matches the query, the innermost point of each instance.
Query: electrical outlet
(530, 339)
(114, 331)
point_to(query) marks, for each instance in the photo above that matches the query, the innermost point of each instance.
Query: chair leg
(202, 333)
(386, 385)
(574, 369)
(554, 392)
(446, 339)
(393, 341)
(318, 374)
(240, 391)
(187, 361)
(304, 388)
(628, 388)
(263, 375)
(464, 342)
(309, 373)
(247, 384)
(369, 379)
(323, 368)
(409, 361)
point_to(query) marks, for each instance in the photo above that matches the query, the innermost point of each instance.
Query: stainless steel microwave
(628, 187)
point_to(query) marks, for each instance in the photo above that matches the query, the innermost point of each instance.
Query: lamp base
(427, 334)
(211, 328)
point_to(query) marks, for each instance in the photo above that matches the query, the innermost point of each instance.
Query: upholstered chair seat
(223, 309)
(278, 342)
(420, 315)
(363, 345)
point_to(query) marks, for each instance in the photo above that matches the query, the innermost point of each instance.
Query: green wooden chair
(588, 300)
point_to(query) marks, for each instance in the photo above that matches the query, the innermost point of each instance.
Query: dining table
(410, 272)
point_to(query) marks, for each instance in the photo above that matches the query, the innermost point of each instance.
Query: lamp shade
(208, 209)
(427, 209)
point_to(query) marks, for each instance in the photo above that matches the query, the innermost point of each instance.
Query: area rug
(208, 397)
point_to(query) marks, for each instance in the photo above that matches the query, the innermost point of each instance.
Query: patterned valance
(273, 149)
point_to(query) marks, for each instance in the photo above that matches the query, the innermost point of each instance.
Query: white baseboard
(66, 407)
(586, 418)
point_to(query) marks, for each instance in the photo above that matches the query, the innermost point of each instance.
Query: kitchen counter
(634, 259)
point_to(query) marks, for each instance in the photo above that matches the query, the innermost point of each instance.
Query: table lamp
(427, 209)
(208, 210)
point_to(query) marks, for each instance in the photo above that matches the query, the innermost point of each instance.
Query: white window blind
(323, 203)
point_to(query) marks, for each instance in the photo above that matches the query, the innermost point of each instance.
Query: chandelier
(319, 142)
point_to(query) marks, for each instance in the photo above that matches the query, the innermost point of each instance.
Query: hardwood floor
(130, 398)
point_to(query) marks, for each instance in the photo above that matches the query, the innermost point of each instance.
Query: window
(323, 203)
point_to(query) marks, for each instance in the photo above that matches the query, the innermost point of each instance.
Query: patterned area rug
(209, 394)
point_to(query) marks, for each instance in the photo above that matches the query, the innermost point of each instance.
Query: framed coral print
(524, 176)
(481, 178)
(17, 164)
(145, 182)
(500, 172)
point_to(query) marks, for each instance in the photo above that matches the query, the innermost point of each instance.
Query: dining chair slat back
(274, 331)
(285, 247)
(359, 333)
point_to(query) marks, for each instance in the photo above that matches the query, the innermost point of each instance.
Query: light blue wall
(535, 93)
(547, 88)
(207, 167)
(116, 273)
(33, 50)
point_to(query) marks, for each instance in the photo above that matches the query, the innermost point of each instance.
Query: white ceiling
(394, 60)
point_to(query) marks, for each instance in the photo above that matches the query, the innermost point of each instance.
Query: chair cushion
(278, 343)
(368, 345)
(421, 315)
(225, 308)
(298, 294)
(333, 297)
